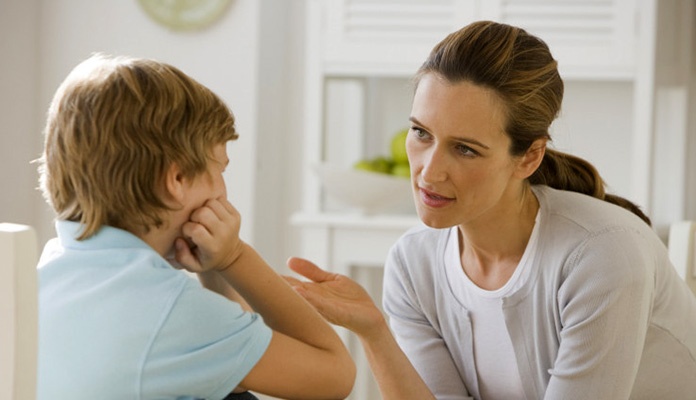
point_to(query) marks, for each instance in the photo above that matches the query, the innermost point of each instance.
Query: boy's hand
(211, 237)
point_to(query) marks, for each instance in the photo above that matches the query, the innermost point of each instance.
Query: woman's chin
(434, 221)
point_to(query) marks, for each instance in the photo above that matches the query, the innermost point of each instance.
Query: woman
(528, 281)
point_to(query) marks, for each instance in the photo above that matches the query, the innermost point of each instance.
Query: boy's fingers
(215, 216)
(196, 231)
(309, 270)
(204, 215)
(228, 206)
(185, 256)
(219, 209)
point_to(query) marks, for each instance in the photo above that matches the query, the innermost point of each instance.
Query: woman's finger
(309, 270)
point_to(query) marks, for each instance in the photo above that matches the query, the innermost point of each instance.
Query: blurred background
(317, 82)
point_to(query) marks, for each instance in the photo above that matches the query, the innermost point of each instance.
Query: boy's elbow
(348, 380)
(344, 374)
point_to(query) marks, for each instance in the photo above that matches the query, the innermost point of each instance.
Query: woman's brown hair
(519, 67)
(114, 127)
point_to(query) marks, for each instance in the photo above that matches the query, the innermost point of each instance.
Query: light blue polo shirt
(116, 321)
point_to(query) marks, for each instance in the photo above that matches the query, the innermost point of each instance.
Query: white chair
(682, 250)
(18, 311)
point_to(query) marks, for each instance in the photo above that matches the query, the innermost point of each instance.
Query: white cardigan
(603, 315)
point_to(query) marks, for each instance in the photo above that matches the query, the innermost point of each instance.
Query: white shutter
(387, 36)
(589, 38)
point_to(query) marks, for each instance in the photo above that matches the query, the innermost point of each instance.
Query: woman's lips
(434, 200)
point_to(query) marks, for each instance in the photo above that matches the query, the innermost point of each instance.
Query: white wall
(595, 124)
(20, 140)
(279, 128)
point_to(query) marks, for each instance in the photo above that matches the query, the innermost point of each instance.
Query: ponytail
(567, 172)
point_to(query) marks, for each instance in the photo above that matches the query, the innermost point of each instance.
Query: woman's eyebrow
(471, 141)
(456, 138)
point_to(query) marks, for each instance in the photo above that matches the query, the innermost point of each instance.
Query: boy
(133, 162)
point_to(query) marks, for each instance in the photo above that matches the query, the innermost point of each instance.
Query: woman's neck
(491, 248)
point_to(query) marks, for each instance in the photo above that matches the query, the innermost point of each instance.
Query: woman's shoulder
(571, 220)
(579, 229)
(571, 210)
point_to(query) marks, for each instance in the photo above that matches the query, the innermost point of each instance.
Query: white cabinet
(361, 54)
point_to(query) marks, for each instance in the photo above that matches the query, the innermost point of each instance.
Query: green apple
(401, 170)
(398, 147)
(382, 164)
(363, 165)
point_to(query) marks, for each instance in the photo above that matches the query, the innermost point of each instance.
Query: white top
(603, 314)
(498, 375)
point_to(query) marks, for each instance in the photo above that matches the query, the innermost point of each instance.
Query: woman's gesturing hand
(344, 302)
(338, 298)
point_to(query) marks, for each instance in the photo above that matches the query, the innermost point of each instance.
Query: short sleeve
(206, 345)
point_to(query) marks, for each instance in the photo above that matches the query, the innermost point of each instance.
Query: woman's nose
(434, 167)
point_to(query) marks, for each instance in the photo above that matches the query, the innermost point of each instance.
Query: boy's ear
(530, 161)
(174, 183)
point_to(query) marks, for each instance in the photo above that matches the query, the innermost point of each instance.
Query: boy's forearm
(212, 280)
(282, 309)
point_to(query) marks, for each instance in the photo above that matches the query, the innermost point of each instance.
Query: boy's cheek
(222, 193)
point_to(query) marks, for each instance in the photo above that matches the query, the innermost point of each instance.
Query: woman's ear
(530, 161)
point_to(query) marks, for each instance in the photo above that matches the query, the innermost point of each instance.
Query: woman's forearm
(394, 373)
(344, 302)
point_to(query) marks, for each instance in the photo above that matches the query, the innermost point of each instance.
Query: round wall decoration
(185, 14)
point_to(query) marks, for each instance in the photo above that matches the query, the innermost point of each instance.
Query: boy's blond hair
(114, 127)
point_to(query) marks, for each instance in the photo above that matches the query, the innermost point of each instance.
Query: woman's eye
(420, 134)
(466, 150)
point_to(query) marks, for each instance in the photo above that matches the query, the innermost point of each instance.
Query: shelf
(407, 72)
(355, 220)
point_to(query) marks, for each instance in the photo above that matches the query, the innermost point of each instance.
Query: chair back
(682, 250)
(18, 311)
